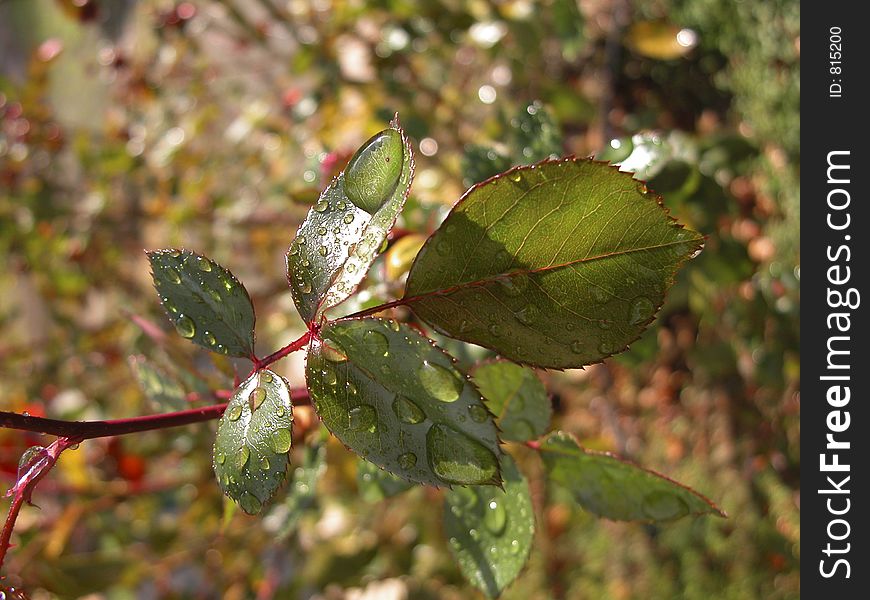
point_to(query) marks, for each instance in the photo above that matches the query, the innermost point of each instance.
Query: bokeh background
(213, 124)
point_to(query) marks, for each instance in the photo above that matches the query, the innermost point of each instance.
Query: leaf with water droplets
(375, 484)
(253, 439)
(205, 302)
(158, 386)
(516, 397)
(490, 531)
(559, 264)
(340, 238)
(613, 488)
(397, 400)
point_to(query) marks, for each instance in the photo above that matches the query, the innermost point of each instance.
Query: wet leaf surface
(558, 265)
(204, 301)
(517, 398)
(397, 400)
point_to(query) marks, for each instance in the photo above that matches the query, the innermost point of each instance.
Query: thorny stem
(71, 433)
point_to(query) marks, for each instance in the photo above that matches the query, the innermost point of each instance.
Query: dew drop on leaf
(407, 460)
(478, 413)
(281, 441)
(242, 457)
(256, 397)
(661, 506)
(363, 418)
(456, 458)
(376, 343)
(235, 412)
(185, 326)
(641, 310)
(407, 411)
(439, 382)
(373, 172)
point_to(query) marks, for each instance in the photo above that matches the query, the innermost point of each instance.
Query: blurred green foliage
(214, 124)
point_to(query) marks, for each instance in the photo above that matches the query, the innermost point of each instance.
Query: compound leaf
(253, 439)
(516, 397)
(204, 301)
(616, 489)
(396, 399)
(339, 240)
(490, 531)
(558, 264)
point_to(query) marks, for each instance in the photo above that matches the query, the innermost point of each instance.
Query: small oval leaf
(373, 172)
(338, 241)
(253, 438)
(204, 301)
(396, 399)
(164, 392)
(616, 489)
(516, 397)
(559, 264)
(490, 531)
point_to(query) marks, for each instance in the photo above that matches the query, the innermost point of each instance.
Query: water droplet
(173, 275)
(494, 329)
(174, 253)
(394, 325)
(464, 326)
(577, 347)
(515, 547)
(203, 263)
(305, 287)
(600, 295)
(407, 460)
(185, 326)
(220, 458)
(348, 219)
(516, 177)
(442, 248)
(168, 305)
(321, 206)
(280, 411)
(605, 348)
(385, 370)
(266, 377)
(256, 397)
(249, 503)
(363, 418)
(528, 314)
(641, 310)
(478, 413)
(439, 382)
(209, 338)
(662, 505)
(456, 458)
(407, 411)
(222, 349)
(241, 457)
(329, 376)
(321, 231)
(332, 354)
(264, 463)
(235, 412)
(323, 251)
(281, 441)
(376, 343)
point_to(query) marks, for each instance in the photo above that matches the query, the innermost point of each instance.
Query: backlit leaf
(253, 439)
(339, 240)
(396, 399)
(559, 264)
(490, 531)
(516, 397)
(616, 489)
(375, 484)
(204, 301)
(161, 389)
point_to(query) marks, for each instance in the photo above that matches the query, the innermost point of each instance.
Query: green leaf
(395, 398)
(516, 397)
(559, 264)
(161, 389)
(339, 240)
(253, 439)
(204, 301)
(616, 489)
(491, 530)
(375, 484)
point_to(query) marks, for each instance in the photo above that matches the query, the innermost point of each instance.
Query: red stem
(377, 309)
(260, 363)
